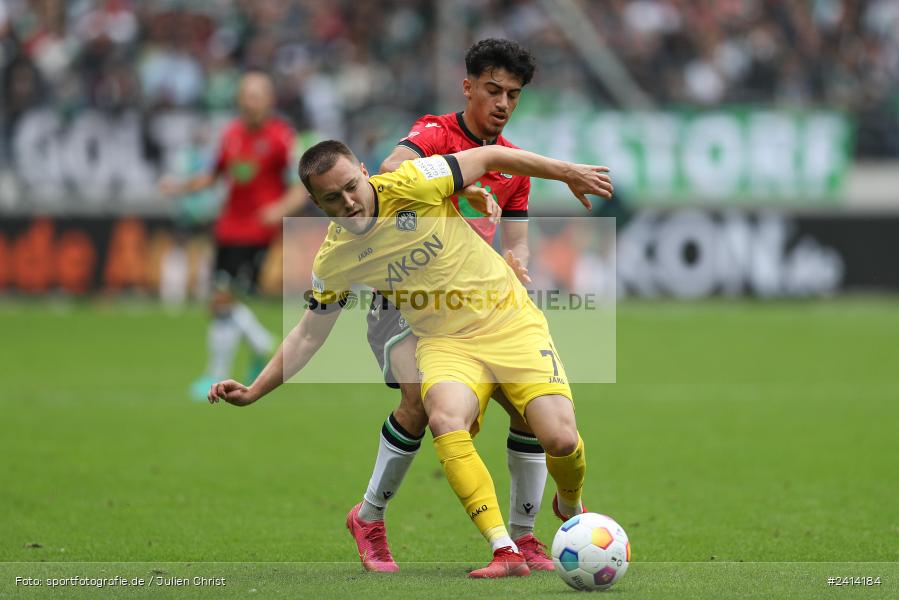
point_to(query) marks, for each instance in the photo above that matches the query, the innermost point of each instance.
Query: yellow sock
(568, 472)
(469, 478)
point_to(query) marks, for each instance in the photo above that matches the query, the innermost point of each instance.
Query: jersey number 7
(552, 356)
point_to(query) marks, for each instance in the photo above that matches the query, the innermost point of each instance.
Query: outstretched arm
(171, 187)
(295, 198)
(396, 158)
(479, 198)
(295, 351)
(581, 179)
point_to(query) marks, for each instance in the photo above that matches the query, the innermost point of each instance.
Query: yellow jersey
(421, 255)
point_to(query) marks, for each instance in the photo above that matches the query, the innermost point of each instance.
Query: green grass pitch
(749, 450)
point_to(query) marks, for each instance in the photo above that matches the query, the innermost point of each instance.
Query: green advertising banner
(720, 157)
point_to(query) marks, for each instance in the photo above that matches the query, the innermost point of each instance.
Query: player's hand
(589, 179)
(521, 271)
(482, 201)
(232, 392)
(169, 187)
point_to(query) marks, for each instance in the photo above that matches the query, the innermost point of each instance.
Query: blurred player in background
(254, 158)
(497, 72)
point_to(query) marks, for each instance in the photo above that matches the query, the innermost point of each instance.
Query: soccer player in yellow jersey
(497, 72)
(477, 328)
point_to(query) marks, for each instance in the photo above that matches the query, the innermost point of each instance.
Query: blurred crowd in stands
(344, 63)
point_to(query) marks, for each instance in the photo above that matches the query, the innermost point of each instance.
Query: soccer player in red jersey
(497, 72)
(254, 157)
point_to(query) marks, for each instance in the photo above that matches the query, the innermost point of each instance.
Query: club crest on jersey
(407, 220)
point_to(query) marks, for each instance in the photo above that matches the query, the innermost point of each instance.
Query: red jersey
(254, 161)
(446, 134)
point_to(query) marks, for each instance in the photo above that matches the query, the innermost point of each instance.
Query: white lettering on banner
(660, 130)
(97, 159)
(773, 139)
(690, 254)
(36, 153)
(713, 155)
(97, 156)
(690, 279)
(718, 156)
(822, 156)
(608, 134)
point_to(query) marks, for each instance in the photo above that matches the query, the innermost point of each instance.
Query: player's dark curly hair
(320, 158)
(492, 53)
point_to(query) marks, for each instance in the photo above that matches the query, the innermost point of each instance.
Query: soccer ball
(591, 552)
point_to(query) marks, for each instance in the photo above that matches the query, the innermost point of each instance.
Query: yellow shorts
(519, 357)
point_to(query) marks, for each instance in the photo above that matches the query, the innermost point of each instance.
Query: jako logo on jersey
(407, 220)
(482, 508)
(398, 270)
(365, 253)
